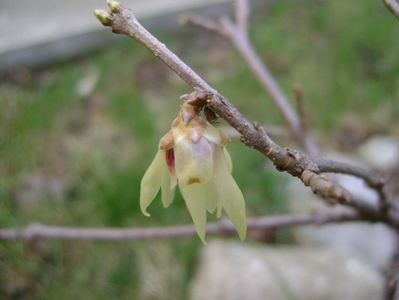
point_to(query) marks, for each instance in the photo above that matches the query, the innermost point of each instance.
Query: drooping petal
(230, 194)
(193, 161)
(195, 197)
(152, 181)
(229, 163)
(228, 159)
(212, 198)
(219, 208)
(173, 180)
(167, 189)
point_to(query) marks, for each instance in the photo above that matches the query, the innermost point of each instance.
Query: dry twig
(242, 13)
(298, 93)
(36, 231)
(374, 181)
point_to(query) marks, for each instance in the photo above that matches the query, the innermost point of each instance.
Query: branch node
(198, 98)
(258, 127)
(293, 153)
(321, 186)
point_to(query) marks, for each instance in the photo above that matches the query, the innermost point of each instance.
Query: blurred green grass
(344, 55)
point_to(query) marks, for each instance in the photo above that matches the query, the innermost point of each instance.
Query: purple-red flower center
(170, 160)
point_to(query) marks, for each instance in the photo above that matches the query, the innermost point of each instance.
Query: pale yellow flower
(193, 155)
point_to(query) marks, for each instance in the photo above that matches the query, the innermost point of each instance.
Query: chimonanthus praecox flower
(193, 155)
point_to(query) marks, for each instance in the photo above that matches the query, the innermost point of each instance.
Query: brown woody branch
(122, 20)
(393, 6)
(36, 231)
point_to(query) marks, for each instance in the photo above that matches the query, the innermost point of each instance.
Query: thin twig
(393, 6)
(35, 231)
(204, 23)
(242, 13)
(375, 182)
(298, 93)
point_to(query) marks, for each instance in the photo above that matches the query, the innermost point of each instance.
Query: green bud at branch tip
(103, 16)
(113, 5)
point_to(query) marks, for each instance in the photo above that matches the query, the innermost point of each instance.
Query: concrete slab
(38, 24)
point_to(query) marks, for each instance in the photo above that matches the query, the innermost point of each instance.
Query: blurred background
(81, 114)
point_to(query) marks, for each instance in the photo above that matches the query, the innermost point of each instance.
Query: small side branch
(36, 231)
(204, 23)
(298, 93)
(242, 13)
(330, 166)
(374, 181)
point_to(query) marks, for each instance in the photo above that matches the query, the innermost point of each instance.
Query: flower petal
(173, 180)
(228, 159)
(195, 197)
(230, 194)
(219, 208)
(212, 198)
(193, 161)
(167, 188)
(152, 181)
